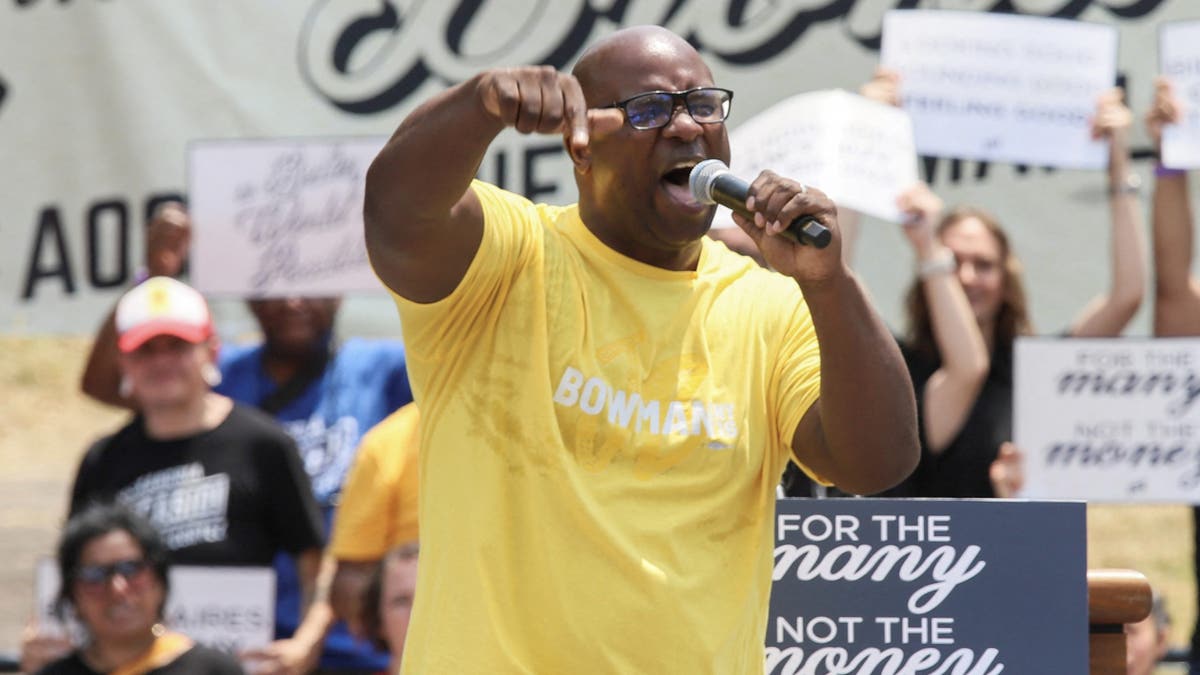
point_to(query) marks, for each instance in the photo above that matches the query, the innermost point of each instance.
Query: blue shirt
(364, 382)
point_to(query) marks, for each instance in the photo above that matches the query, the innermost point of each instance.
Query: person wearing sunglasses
(609, 398)
(114, 567)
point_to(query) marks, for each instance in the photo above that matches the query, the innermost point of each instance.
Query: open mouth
(679, 175)
(675, 182)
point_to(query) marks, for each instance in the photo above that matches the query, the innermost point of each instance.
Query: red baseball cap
(162, 306)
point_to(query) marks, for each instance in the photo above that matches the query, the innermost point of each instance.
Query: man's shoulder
(251, 424)
(500, 204)
(740, 274)
(239, 357)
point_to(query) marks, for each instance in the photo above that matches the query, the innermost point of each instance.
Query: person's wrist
(938, 263)
(1127, 184)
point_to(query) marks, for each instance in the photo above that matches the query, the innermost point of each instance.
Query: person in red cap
(222, 482)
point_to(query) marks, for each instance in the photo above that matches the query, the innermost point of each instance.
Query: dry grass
(1156, 541)
(45, 425)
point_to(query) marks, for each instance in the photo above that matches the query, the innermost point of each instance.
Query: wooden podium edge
(1115, 597)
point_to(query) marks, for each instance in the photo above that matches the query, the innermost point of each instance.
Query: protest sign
(1000, 87)
(275, 218)
(857, 151)
(879, 586)
(1179, 56)
(1109, 420)
(226, 608)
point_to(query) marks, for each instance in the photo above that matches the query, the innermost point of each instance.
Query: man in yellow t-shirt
(377, 511)
(608, 398)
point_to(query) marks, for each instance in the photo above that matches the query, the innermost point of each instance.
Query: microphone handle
(732, 192)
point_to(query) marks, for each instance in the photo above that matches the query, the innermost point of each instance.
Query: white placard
(1179, 55)
(858, 151)
(1109, 420)
(1001, 87)
(226, 608)
(280, 217)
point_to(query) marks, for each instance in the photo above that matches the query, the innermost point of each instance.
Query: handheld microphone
(712, 182)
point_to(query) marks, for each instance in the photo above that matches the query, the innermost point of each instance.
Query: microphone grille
(701, 178)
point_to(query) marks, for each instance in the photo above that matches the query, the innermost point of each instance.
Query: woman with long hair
(966, 308)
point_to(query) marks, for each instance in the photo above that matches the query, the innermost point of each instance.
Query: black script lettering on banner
(887, 586)
(411, 43)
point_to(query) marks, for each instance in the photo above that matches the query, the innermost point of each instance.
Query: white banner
(1179, 56)
(1109, 420)
(1001, 87)
(226, 608)
(100, 100)
(857, 151)
(280, 217)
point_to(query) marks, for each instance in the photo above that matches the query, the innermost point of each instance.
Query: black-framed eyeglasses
(97, 576)
(654, 109)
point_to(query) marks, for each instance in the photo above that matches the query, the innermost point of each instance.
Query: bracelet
(941, 263)
(1161, 171)
(1132, 185)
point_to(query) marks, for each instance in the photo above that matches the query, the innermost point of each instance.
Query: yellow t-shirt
(378, 507)
(601, 441)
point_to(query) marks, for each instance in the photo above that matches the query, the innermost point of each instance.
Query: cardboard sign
(226, 608)
(278, 218)
(857, 151)
(874, 586)
(1109, 420)
(1001, 87)
(1179, 56)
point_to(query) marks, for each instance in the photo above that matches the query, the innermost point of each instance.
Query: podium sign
(879, 586)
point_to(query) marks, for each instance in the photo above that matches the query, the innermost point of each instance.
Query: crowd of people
(608, 398)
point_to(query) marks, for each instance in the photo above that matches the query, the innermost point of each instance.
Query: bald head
(613, 63)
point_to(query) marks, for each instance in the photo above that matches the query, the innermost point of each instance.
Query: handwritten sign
(1109, 420)
(226, 608)
(999, 87)
(857, 151)
(899, 586)
(1179, 56)
(280, 217)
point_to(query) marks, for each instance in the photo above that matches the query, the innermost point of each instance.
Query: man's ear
(581, 155)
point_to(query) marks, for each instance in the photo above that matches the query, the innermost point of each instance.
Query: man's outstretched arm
(423, 223)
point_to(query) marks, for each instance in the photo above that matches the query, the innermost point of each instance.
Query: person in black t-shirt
(114, 570)
(222, 483)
